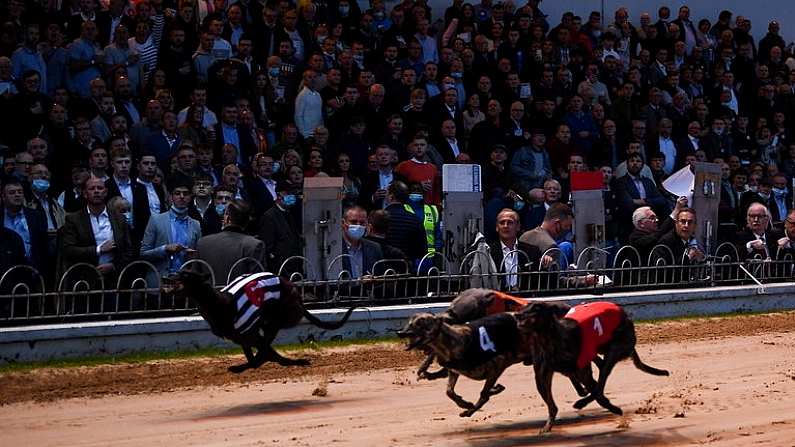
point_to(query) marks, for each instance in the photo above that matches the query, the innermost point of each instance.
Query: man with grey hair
(648, 229)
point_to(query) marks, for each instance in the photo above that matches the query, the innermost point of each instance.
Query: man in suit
(405, 231)
(683, 245)
(206, 208)
(780, 199)
(280, 232)
(634, 191)
(120, 184)
(363, 254)
(229, 131)
(261, 187)
(155, 202)
(222, 251)
(757, 240)
(648, 229)
(375, 184)
(446, 109)
(164, 142)
(170, 238)
(29, 224)
(509, 254)
(94, 236)
(448, 145)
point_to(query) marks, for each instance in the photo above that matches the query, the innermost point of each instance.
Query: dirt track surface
(732, 383)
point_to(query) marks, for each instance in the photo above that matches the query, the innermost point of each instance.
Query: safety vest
(429, 221)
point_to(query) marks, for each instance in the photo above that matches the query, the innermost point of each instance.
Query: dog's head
(537, 318)
(420, 330)
(184, 281)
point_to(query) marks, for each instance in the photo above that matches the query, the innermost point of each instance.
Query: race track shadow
(526, 433)
(270, 408)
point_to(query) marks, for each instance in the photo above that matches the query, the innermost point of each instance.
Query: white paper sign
(461, 178)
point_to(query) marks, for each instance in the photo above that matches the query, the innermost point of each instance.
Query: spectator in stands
(648, 229)
(510, 255)
(377, 228)
(363, 253)
(94, 236)
(757, 240)
(405, 231)
(120, 184)
(633, 190)
(29, 224)
(203, 208)
(232, 247)
(681, 239)
(262, 186)
(280, 232)
(170, 237)
(530, 165)
(419, 170)
(308, 105)
(558, 221)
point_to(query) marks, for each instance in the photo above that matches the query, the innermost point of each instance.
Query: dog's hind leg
(452, 378)
(584, 376)
(489, 389)
(544, 385)
(610, 360)
(270, 354)
(251, 360)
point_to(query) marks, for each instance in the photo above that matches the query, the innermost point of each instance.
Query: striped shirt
(249, 292)
(147, 55)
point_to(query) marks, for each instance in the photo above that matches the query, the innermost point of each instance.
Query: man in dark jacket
(29, 224)
(280, 232)
(405, 230)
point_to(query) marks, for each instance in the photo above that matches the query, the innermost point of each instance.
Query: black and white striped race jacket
(249, 292)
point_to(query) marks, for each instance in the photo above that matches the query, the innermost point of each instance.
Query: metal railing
(82, 293)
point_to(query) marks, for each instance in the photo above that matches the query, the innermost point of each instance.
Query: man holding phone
(171, 237)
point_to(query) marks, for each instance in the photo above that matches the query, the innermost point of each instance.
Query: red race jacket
(597, 322)
(505, 303)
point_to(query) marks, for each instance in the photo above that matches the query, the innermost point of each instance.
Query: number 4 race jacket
(597, 323)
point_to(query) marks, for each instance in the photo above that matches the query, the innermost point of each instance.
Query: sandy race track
(732, 383)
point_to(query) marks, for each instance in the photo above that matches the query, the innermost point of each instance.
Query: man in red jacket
(419, 170)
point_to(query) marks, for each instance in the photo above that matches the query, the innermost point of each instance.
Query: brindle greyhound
(556, 346)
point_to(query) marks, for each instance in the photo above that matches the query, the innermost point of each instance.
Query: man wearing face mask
(761, 194)
(363, 254)
(170, 237)
(718, 142)
(43, 199)
(780, 199)
(280, 232)
(224, 249)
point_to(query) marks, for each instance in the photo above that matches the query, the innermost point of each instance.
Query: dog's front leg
(489, 389)
(544, 385)
(452, 378)
(237, 369)
(422, 371)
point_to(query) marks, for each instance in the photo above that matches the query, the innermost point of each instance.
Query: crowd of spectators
(131, 128)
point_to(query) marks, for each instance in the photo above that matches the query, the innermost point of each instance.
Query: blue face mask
(518, 205)
(129, 218)
(41, 185)
(289, 200)
(415, 198)
(274, 72)
(220, 209)
(179, 210)
(356, 232)
(276, 166)
(457, 74)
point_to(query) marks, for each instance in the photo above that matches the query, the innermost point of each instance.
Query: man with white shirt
(449, 146)
(198, 98)
(155, 202)
(308, 106)
(510, 255)
(667, 146)
(94, 236)
(121, 184)
(375, 184)
(262, 187)
(757, 240)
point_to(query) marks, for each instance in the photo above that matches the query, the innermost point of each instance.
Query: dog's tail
(646, 368)
(328, 324)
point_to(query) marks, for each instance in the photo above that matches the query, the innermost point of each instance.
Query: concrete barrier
(40, 343)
